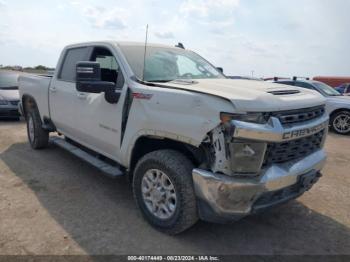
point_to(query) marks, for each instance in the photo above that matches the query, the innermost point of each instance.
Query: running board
(106, 168)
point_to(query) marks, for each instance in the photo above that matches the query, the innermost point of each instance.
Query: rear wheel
(163, 189)
(340, 122)
(37, 136)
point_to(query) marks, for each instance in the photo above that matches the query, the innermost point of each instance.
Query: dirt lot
(53, 203)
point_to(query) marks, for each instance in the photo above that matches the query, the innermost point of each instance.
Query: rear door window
(72, 56)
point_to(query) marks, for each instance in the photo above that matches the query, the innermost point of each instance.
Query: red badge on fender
(142, 96)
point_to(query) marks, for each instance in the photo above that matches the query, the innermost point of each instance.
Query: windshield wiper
(182, 81)
(159, 81)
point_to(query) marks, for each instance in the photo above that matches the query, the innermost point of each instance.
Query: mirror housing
(88, 80)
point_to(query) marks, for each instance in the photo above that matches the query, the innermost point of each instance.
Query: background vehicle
(193, 143)
(337, 106)
(9, 96)
(332, 81)
(344, 89)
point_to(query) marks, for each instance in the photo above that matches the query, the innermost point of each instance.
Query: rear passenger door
(63, 95)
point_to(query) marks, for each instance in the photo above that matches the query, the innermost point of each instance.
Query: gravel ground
(53, 203)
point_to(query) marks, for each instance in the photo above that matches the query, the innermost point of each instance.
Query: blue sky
(269, 37)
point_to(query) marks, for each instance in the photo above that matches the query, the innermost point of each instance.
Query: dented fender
(178, 115)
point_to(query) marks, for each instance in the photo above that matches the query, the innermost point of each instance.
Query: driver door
(100, 121)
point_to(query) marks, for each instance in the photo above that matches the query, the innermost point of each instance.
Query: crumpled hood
(9, 95)
(249, 95)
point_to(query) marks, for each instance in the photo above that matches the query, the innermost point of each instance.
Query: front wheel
(163, 189)
(340, 122)
(37, 136)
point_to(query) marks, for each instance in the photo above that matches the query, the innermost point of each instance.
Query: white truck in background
(193, 143)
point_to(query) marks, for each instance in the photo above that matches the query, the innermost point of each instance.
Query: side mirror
(88, 80)
(220, 69)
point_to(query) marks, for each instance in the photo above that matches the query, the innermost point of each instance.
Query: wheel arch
(146, 144)
(28, 102)
(337, 111)
(332, 117)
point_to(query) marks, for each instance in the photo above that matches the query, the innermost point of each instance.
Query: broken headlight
(247, 156)
(251, 117)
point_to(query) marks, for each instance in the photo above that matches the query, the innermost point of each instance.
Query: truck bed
(36, 86)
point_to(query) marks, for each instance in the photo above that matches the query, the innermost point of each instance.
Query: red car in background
(333, 81)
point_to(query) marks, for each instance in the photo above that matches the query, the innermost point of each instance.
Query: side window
(347, 89)
(107, 62)
(71, 58)
(110, 70)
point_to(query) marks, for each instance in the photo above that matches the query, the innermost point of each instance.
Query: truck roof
(119, 43)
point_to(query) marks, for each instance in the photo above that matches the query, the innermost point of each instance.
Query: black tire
(333, 120)
(40, 139)
(179, 170)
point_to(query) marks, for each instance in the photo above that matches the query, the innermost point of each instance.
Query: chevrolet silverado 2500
(193, 143)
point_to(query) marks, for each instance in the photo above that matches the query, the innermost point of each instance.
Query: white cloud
(209, 10)
(106, 18)
(164, 35)
(3, 5)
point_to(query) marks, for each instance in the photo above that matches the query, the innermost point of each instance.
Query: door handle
(53, 89)
(81, 95)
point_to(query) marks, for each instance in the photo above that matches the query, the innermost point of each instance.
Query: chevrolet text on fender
(194, 144)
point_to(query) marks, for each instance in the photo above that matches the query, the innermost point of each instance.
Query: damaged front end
(252, 164)
(232, 156)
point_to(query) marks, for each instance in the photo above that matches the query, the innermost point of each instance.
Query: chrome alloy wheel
(342, 123)
(158, 193)
(31, 128)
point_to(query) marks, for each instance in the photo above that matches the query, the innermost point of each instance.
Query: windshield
(164, 64)
(326, 90)
(8, 80)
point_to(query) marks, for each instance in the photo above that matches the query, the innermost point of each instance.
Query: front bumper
(222, 198)
(9, 111)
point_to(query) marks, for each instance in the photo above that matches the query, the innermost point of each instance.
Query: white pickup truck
(193, 143)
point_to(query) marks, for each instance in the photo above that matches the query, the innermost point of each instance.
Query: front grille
(299, 115)
(294, 149)
(9, 113)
